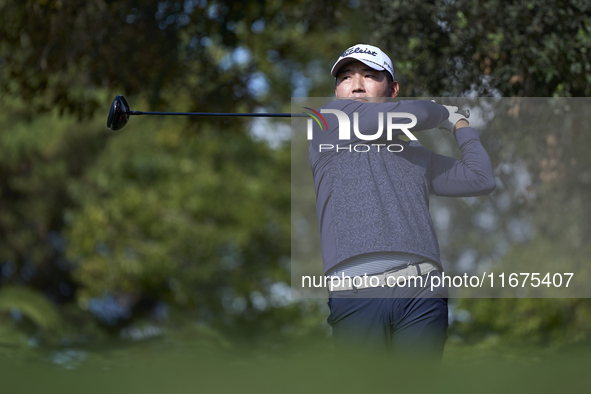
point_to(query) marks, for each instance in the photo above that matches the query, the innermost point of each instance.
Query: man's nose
(357, 85)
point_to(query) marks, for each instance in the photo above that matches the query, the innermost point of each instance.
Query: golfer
(372, 202)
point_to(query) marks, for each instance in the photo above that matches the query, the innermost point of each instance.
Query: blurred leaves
(32, 305)
(62, 54)
(181, 215)
(190, 213)
(487, 48)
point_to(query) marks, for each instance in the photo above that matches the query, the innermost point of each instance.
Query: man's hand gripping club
(455, 120)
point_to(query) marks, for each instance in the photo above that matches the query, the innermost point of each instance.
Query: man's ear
(394, 88)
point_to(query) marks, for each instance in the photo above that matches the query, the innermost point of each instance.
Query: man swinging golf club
(373, 208)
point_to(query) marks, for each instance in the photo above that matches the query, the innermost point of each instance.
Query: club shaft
(466, 113)
(253, 115)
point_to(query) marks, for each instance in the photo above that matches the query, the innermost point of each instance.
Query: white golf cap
(374, 57)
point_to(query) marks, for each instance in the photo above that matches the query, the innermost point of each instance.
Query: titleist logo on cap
(372, 56)
(358, 50)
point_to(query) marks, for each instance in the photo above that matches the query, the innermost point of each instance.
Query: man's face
(358, 80)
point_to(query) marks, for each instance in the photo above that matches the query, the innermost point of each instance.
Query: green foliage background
(182, 225)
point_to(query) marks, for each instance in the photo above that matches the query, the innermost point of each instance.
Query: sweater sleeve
(428, 115)
(471, 176)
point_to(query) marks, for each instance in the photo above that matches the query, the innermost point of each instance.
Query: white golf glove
(453, 118)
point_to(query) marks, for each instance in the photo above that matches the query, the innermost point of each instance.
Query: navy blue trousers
(405, 321)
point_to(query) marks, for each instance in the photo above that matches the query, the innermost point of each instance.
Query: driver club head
(118, 114)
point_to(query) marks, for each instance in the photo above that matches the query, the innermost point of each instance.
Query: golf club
(120, 112)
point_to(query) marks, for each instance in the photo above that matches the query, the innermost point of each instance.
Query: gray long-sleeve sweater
(378, 201)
